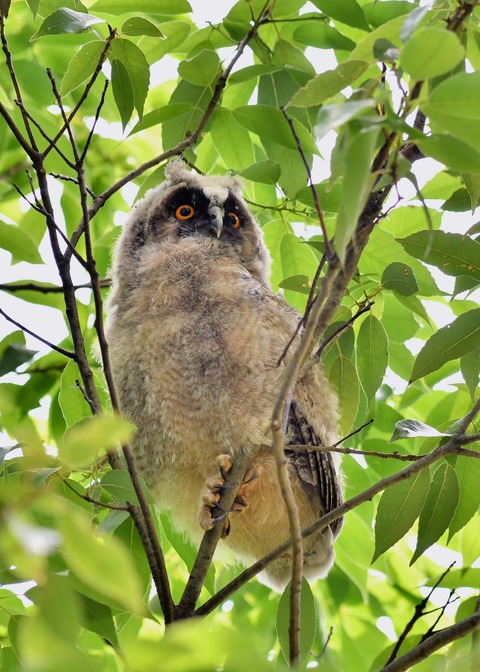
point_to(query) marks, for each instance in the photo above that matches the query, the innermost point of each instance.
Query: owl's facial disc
(197, 214)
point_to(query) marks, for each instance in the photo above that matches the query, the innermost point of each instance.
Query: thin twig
(90, 500)
(68, 178)
(328, 250)
(57, 348)
(342, 328)
(418, 612)
(45, 289)
(96, 118)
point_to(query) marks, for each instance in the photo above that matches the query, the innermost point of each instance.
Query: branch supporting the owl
(452, 447)
(196, 580)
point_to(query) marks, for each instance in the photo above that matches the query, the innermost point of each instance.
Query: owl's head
(189, 205)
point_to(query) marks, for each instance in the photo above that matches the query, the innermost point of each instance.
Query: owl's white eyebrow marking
(216, 194)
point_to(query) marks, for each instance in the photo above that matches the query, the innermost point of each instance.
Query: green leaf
(438, 509)
(455, 106)
(265, 172)
(346, 11)
(201, 69)
(372, 355)
(135, 63)
(252, 72)
(468, 475)
(72, 402)
(13, 352)
(412, 21)
(470, 368)
(101, 562)
(139, 26)
(411, 429)
(452, 152)
(449, 342)
(400, 278)
(66, 20)
(308, 621)
(356, 185)
(147, 6)
(82, 66)
(321, 35)
(472, 184)
(343, 376)
(161, 114)
(268, 122)
(119, 484)
(328, 84)
(98, 618)
(122, 91)
(398, 509)
(431, 52)
(232, 141)
(453, 253)
(297, 283)
(84, 441)
(19, 244)
(333, 116)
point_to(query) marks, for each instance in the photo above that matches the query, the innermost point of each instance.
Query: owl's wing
(315, 470)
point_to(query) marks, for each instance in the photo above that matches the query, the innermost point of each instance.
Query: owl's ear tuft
(177, 171)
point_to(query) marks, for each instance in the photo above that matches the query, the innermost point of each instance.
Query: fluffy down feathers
(195, 333)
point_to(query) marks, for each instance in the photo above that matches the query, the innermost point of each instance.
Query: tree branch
(452, 447)
(435, 642)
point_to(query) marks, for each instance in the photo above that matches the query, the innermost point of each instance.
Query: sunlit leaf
(89, 437)
(454, 153)
(343, 375)
(137, 25)
(470, 368)
(232, 140)
(200, 70)
(398, 508)
(431, 52)
(122, 91)
(82, 66)
(437, 512)
(452, 253)
(449, 342)
(66, 20)
(136, 66)
(411, 429)
(19, 244)
(372, 355)
(346, 11)
(307, 618)
(150, 6)
(266, 172)
(119, 484)
(467, 470)
(101, 562)
(400, 278)
(267, 122)
(328, 84)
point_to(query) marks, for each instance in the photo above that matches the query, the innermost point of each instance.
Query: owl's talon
(216, 485)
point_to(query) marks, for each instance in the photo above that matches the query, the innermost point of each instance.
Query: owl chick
(195, 335)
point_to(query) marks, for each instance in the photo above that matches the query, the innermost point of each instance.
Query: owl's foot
(212, 513)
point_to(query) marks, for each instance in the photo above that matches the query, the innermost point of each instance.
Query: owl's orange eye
(233, 220)
(184, 212)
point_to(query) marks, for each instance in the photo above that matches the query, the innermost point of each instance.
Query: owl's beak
(216, 219)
